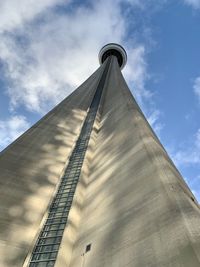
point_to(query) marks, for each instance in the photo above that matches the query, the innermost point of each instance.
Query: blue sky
(49, 47)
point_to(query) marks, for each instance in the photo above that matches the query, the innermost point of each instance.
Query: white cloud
(11, 128)
(47, 53)
(136, 72)
(190, 155)
(196, 87)
(193, 3)
(15, 13)
(154, 121)
(45, 61)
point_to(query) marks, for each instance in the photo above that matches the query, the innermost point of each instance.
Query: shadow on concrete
(30, 169)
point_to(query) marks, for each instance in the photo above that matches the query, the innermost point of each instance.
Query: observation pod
(114, 50)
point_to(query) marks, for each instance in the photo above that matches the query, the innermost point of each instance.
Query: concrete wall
(138, 211)
(30, 169)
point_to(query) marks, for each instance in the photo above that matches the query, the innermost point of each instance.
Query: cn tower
(90, 185)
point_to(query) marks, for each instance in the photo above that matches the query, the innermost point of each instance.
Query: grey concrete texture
(138, 211)
(30, 169)
(131, 203)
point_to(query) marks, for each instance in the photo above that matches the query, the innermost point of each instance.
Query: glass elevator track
(46, 249)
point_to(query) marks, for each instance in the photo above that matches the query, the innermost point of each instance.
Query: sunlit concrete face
(131, 204)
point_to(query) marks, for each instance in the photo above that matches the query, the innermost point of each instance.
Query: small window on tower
(88, 248)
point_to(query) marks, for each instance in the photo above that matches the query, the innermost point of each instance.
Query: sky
(49, 47)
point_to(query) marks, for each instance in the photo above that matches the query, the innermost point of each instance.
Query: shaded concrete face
(30, 169)
(131, 204)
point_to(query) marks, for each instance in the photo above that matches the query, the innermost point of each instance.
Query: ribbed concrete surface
(138, 211)
(30, 169)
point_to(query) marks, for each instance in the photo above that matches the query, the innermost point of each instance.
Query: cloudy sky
(49, 47)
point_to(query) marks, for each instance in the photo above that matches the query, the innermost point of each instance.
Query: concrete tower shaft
(90, 185)
(138, 211)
